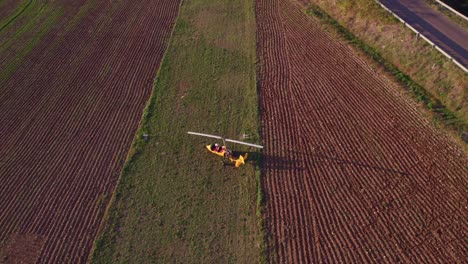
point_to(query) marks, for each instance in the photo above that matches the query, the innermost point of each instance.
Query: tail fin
(241, 160)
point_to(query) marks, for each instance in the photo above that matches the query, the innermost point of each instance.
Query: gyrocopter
(224, 151)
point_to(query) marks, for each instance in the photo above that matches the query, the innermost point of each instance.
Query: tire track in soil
(63, 148)
(352, 172)
(8, 7)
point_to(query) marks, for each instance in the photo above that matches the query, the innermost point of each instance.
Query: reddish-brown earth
(353, 173)
(68, 114)
(7, 8)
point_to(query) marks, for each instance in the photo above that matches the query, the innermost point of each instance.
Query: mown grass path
(174, 200)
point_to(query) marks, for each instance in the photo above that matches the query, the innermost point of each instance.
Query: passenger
(217, 148)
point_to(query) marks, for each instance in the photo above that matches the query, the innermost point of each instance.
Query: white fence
(423, 37)
(451, 9)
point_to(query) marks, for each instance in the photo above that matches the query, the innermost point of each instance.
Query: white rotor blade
(243, 143)
(226, 139)
(204, 135)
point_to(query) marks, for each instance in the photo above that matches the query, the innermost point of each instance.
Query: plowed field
(353, 173)
(71, 96)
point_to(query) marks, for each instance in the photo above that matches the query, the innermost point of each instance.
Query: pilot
(217, 148)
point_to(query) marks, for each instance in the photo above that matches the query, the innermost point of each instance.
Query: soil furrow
(374, 181)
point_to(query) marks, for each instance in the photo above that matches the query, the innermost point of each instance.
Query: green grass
(28, 27)
(440, 112)
(5, 21)
(175, 202)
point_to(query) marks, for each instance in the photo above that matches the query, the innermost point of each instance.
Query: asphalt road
(433, 25)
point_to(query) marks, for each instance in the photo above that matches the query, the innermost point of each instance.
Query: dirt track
(353, 173)
(68, 115)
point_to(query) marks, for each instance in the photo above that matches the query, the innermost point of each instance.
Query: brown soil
(352, 172)
(7, 9)
(68, 116)
(23, 248)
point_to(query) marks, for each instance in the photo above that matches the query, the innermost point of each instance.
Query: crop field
(352, 172)
(74, 80)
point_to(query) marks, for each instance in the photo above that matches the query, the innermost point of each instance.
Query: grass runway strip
(174, 200)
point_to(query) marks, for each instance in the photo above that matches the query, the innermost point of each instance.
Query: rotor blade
(204, 135)
(228, 140)
(243, 143)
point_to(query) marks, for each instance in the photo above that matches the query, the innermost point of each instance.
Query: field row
(352, 172)
(64, 145)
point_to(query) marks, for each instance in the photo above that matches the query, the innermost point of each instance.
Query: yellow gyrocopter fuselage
(223, 151)
(238, 161)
